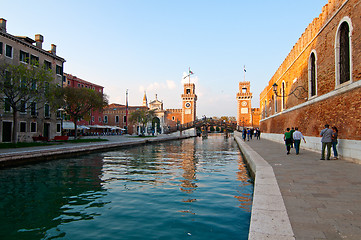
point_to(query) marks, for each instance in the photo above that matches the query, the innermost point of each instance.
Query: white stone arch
(337, 50)
(310, 74)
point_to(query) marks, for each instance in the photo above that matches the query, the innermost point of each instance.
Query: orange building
(246, 115)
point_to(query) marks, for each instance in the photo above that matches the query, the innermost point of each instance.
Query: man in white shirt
(297, 136)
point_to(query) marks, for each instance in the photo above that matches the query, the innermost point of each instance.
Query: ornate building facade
(41, 119)
(319, 81)
(115, 114)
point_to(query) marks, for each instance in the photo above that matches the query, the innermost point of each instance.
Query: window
(47, 64)
(275, 101)
(188, 91)
(46, 87)
(93, 119)
(105, 119)
(33, 84)
(100, 119)
(24, 57)
(46, 110)
(1, 48)
(343, 51)
(7, 105)
(7, 78)
(125, 119)
(34, 60)
(244, 90)
(312, 75)
(22, 126)
(265, 108)
(22, 106)
(33, 109)
(78, 85)
(58, 127)
(173, 118)
(116, 119)
(283, 92)
(9, 51)
(59, 70)
(33, 127)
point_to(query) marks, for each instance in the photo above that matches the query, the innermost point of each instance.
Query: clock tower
(189, 99)
(244, 109)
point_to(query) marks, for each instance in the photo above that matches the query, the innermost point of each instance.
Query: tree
(142, 116)
(79, 102)
(24, 87)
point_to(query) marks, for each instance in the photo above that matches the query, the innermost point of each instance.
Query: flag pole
(189, 74)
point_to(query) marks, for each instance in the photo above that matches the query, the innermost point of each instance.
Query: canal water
(190, 189)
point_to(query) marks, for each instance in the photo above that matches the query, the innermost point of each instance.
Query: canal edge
(36, 156)
(269, 218)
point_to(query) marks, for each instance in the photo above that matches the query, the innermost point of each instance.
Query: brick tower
(244, 110)
(189, 99)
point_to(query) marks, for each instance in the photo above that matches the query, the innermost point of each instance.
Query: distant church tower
(145, 101)
(189, 99)
(244, 109)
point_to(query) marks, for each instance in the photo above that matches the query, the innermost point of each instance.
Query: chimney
(2, 25)
(39, 40)
(53, 49)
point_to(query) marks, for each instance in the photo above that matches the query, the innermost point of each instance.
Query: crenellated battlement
(308, 35)
(174, 110)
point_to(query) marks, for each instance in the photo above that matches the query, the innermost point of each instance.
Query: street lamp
(297, 92)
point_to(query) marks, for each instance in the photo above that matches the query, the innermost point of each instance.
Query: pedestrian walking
(326, 141)
(248, 133)
(334, 141)
(297, 137)
(292, 131)
(244, 133)
(258, 134)
(287, 137)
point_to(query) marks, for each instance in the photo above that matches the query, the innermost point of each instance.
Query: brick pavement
(322, 198)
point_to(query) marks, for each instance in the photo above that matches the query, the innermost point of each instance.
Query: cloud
(157, 86)
(171, 84)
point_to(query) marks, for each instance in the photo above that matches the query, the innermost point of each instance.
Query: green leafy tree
(24, 87)
(79, 102)
(142, 116)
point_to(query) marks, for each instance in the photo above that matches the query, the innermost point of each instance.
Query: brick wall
(334, 104)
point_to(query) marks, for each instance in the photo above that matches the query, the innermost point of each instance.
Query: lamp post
(299, 90)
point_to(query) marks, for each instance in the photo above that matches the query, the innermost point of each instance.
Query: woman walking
(334, 141)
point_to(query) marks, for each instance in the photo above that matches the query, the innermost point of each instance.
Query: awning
(117, 128)
(68, 125)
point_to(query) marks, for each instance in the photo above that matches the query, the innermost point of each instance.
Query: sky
(149, 45)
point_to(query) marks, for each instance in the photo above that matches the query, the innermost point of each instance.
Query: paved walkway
(322, 198)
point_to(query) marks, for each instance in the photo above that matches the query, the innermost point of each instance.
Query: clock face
(188, 104)
(244, 103)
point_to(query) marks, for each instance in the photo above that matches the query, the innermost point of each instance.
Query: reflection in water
(198, 188)
(37, 198)
(189, 165)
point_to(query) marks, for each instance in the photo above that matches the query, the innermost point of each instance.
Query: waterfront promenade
(322, 198)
